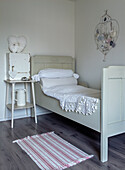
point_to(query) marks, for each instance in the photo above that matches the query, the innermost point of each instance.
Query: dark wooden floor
(12, 157)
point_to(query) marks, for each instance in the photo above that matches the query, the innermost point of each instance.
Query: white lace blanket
(75, 98)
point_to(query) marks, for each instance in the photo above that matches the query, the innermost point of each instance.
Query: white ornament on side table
(12, 74)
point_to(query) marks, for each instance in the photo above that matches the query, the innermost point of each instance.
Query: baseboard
(24, 116)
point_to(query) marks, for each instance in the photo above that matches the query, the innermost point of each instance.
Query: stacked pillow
(55, 73)
(55, 77)
(47, 82)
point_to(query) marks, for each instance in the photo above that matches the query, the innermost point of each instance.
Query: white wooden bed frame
(110, 119)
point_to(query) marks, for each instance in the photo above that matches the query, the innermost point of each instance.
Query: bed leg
(104, 148)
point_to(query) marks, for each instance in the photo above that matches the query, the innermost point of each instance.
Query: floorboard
(12, 157)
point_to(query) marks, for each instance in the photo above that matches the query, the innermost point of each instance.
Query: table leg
(26, 97)
(7, 98)
(34, 104)
(13, 98)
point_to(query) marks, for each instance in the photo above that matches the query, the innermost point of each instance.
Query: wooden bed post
(104, 116)
(104, 147)
(113, 106)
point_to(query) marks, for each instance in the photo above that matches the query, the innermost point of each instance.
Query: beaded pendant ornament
(106, 34)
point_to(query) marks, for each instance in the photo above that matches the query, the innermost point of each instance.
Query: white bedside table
(13, 106)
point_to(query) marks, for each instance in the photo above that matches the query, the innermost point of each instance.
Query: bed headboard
(40, 62)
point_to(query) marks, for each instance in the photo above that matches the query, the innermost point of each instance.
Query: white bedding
(47, 82)
(75, 98)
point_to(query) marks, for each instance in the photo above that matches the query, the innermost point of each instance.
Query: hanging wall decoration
(106, 34)
(16, 44)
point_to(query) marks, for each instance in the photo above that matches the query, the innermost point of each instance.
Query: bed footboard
(113, 106)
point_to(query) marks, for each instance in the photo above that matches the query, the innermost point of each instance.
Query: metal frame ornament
(106, 34)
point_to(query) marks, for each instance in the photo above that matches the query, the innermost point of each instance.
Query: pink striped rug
(51, 152)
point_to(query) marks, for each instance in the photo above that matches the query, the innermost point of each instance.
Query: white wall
(89, 60)
(47, 24)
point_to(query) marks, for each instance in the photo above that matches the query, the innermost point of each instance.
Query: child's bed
(109, 118)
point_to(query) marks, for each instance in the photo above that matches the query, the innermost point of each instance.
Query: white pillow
(50, 82)
(55, 73)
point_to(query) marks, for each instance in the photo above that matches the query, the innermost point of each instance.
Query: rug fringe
(77, 161)
(34, 136)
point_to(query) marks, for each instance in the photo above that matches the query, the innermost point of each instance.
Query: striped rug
(51, 152)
